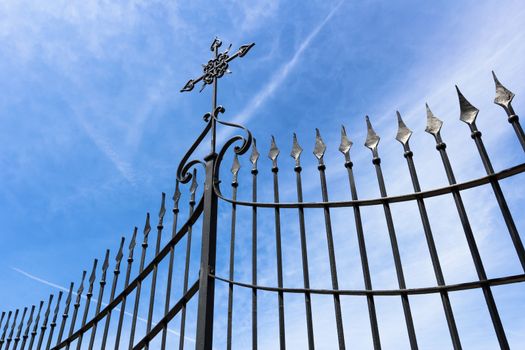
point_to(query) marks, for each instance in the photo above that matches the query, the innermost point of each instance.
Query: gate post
(204, 336)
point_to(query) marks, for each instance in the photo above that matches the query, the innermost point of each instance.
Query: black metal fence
(60, 323)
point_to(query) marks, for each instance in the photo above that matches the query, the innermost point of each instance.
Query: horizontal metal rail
(385, 292)
(392, 199)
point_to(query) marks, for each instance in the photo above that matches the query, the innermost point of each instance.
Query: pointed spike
(255, 154)
(48, 309)
(194, 184)
(403, 133)
(320, 147)
(21, 324)
(69, 295)
(274, 151)
(243, 50)
(81, 287)
(162, 210)
(147, 227)
(57, 306)
(93, 275)
(372, 139)
(346, 144)
(433, 124)
(503, 96)
(468, 112)
(236, 166)
(105, 265)
(120, 254)
(189, 86)
(133, 242)
(296, 150)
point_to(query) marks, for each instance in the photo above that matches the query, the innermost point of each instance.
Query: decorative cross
(218, 66)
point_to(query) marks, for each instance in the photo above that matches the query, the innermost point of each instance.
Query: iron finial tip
(503, 96)
(433, 123)
(468, 112)
(274, 151)
(320, 146)
(255, 154)
(346, 144)
(372, 139)
(296, 150)
(403, 132)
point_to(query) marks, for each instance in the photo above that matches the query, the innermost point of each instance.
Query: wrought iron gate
(69, 322)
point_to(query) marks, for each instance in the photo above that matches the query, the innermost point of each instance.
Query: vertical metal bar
(28, 326)
(19, 331)
(65, 314)
(403, 136)
(132, 244)
(206, 301)
(44, 323)
(504, 98)
(468, 115)
(296, 154)
(11, 332)
(102, 282)
(193, 189)
(176, 198)
(434, 128)
(273, 154)
(54, 321)
(6, 327)
(89, 295)
(372, 141)
(235, 170)
(160, 226)
(76, 306)
(147, 229)
(116, 273)
(253, 159)
(35, 327)
(319, 150)
(344, 148)
(2, 319)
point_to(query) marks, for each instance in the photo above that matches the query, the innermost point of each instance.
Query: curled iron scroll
(183, 171)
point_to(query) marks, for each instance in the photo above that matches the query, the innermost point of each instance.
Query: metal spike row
(296, 151)
(403, 133)
(320, 147)
(503, 96)
(162, 210)
(346, 144)
(372, 140)
(255, 154)
(274, 152)
(468, 112)
(433, 124)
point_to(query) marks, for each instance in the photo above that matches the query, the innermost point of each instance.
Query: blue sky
(93, 126)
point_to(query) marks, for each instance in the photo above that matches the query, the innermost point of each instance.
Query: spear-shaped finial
(274, 153)
(12, 331)
(20, 327)
(93, 276)
(193, 187)
(255, 155)
(132, 244)
(503, 96)
(68, 299)
(236, 166)
(147, 230)
(403, 132)
(57, 309)
(176, 196)
(320, 147)
(162, 210)
(29, 322)
(468, 112)
(105, 266)
(372, 140)
(346, 144)
(81, 288)
(6, 327)
(296, 151)
(120, 254)
(433, 124)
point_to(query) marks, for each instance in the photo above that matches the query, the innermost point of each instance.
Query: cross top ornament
(217, 66)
